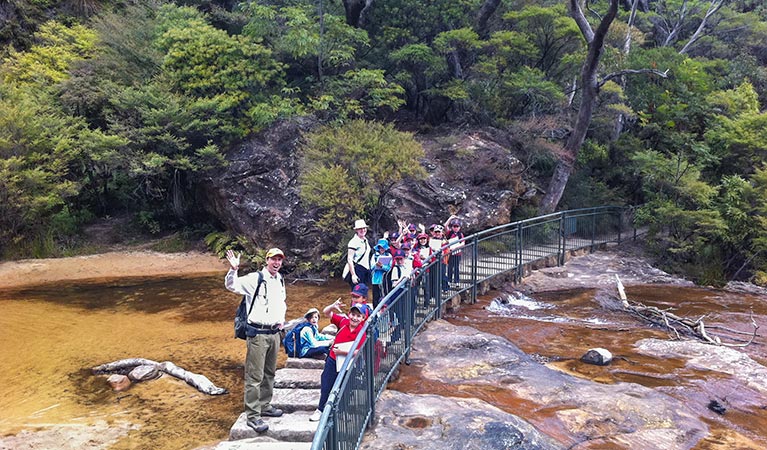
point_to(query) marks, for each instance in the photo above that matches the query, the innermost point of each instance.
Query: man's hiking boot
(258, 425)
(271, 412)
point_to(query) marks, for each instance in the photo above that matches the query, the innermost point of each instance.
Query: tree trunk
(485, 12)
(356, 11)
(454, 61)
(589, 92)
(557, 183)
(712, 9)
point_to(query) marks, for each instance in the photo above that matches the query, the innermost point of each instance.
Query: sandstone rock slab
(297, 378)
(304, 363)
(291, 400)
(293, 427)
(429, 422)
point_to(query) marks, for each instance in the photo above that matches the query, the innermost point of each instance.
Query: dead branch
(200, 382)
(712, 9)
(623, 72)
(680, 325)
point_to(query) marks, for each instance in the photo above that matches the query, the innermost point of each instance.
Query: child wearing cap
(421, 250)
(381, 264)
(395, 242)
(408, 258)
(359, 293)
(314, 343)
(399, 270)
(455, 238)
(348, 329)
(436, 242)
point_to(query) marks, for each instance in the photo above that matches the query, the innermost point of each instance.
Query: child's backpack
(292, 341)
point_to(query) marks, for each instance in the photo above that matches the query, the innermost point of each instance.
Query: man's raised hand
(234, 260)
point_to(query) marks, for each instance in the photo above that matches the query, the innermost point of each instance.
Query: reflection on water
(557, 328)
(52, 335)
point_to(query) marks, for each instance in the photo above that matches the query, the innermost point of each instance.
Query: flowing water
(52, 335)
(557, 328)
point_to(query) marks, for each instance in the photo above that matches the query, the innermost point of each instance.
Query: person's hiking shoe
(316, 416)
(271, 412)
(258, 425)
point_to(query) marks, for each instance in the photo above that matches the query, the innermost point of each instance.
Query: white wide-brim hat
(359, 223)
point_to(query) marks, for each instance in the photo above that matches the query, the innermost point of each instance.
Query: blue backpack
(292, 341)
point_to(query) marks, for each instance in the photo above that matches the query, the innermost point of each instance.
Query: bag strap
(367, 246)
(258, 287)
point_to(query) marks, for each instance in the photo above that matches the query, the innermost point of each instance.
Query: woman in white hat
(357, 269)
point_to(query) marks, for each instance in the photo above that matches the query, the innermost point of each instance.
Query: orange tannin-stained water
(52, 335)
(557, 328)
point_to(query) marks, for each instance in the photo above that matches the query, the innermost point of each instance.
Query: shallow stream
(557, 328)
(52, 335)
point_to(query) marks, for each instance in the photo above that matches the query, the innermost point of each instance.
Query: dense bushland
(123, 107)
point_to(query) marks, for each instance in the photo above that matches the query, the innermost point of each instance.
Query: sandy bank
(106, 265)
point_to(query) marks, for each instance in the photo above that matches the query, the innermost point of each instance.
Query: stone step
(262, 443)
(292, 427)
(304, 363)
(297, 378)
(291, 400)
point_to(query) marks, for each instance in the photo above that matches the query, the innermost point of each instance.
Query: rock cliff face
(471, 174)
(257, 194)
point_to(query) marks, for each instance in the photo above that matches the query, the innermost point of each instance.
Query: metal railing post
(518, 275)
(620, 224)
(333, 432)
(370, 342)
(409, 320)
(562, 239)
(593, 228)
(442, 274)
(474, 275)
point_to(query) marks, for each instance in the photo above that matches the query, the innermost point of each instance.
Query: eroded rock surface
(626, 415)
(710, 357)
(99, 436)
(429, 422)
(598, 270)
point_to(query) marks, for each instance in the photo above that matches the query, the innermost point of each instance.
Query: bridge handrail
(401, 314)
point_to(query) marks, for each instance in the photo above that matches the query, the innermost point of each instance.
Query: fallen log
(124, 366)
(681, 325)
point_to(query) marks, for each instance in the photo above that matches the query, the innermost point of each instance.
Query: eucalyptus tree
(589, 86)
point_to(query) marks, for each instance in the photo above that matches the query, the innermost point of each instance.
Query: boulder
(119, 382)
(330, 330)
(257, 194)
(597, 356)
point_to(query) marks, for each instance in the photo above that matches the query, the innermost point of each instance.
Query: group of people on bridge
(394, 258)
